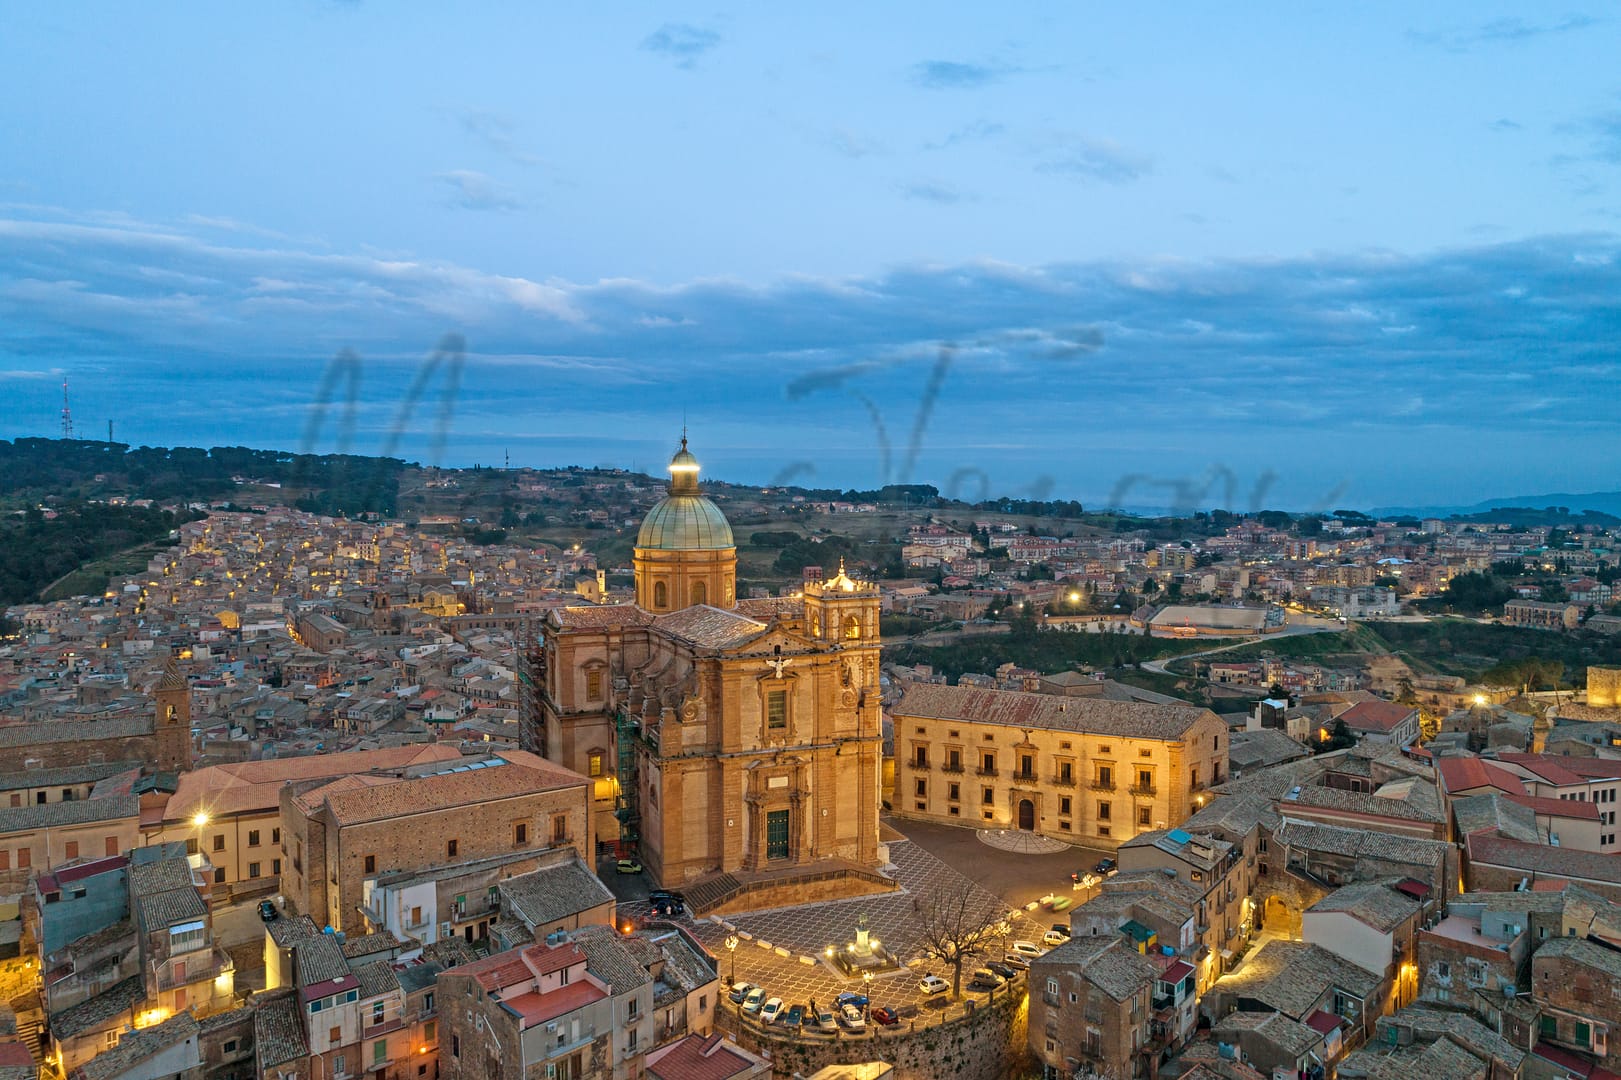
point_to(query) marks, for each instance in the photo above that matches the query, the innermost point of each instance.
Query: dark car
(668, 905)
(884, 1015)
(667, 894)
(795, 1016)
(1104, 867)
(847, 998)
(268, 912)
(1007, 971)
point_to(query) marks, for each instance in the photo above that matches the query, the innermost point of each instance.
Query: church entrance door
(776, 834)
(1027, 815)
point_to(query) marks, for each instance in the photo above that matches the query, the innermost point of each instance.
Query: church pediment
(776, 640)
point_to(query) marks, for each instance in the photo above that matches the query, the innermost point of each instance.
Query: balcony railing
(1144, 789)
(920, 763)
(1063, 781)
(986, 771)
(1102, 783)
(949, 767)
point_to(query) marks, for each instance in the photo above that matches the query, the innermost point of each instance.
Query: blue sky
(1362, 255)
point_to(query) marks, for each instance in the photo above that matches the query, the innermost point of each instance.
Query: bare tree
(953, 925)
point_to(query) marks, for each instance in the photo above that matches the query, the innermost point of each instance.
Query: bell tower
(171, 727)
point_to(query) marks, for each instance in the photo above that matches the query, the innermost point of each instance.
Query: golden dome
(684, 520)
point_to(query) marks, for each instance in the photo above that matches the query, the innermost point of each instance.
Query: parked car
(851, 1015)
(1054, 937)
(740, 990)
(1014, 960)
(986, 979)
(1027, 949)
(884, 1015)
(630, 866)
(795, 1016)
(770, 1011)
(664, 905)
(824, 1021)
(267, 911)
(933, 984)
(1007, 971)
(755, 1001)
(679, 899)
(1106, 868)
(847, 998)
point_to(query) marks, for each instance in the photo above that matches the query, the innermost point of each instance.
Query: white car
(1054, 937)
(756, 999)
(824, 1021)
(933, 984)
(771, 1010)
(1027, 949)
(740, 990)
(852, 1018)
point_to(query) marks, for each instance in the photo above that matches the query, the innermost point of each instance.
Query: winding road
(1309, 624)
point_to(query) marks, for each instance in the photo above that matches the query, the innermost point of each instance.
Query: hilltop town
(582, 773)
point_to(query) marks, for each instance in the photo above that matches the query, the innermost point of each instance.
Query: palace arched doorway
(1027, 815)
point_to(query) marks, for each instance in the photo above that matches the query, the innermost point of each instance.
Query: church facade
(725, 738)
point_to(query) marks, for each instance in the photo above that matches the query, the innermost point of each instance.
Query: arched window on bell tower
(852, 627)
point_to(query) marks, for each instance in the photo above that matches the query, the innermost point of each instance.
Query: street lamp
(731, 947)
(200, 820)
(866, 978)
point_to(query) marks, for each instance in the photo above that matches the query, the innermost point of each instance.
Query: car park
(1007, 971)
(794, 1016)
(824, 1021)
(755, 1000)
(739, 991)
(885, 1016)
(1027, 949)
(933, 984)
(852, 1018)
(770, 1011)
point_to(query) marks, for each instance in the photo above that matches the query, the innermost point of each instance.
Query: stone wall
(988, 1043)
(1604, 687)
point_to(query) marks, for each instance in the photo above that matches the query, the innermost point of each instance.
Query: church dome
(684, 520)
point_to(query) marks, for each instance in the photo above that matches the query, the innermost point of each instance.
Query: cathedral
(735, 745)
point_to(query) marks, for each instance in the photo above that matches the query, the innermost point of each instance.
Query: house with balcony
(1375, 925)
(1577, 986)
(550, 1010)
(1223, 913)
(181, 965)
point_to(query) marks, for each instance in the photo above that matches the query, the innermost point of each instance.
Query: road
(1294, 629)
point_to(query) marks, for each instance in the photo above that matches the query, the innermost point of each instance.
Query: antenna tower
(67, 414)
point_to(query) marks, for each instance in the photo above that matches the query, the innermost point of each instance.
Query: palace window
(593, 686)
(776, 710)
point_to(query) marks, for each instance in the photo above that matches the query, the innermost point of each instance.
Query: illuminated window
(593, 685)
(595, 765)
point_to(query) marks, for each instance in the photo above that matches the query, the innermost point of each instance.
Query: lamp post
(731, 947)
(866, 978)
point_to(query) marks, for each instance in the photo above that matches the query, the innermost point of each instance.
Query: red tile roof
(699, 1058)
(1545, 767)
(1375, 715)
(1569, 808)
(1467, 774)
(535, 1008)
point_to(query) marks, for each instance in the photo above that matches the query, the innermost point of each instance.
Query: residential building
(337, 835)
(1375, 925)
(1300, 980)
(706, 1057)
(1384, 722)
(1224, 879)
(1543, 615)
(1091, 1004)
(1577, 985)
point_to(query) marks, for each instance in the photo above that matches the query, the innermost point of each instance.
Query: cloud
(851, 144)
(472, 190)
(1089, 159)
(495, 131)
(1503, 124)
(931, 191)
(1097, 364)
(1509, 30)
(978, 131)
(682, 43)
(957, 75)
(1605, 129)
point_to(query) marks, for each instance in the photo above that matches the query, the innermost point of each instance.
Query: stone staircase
(734, 892)
(712, 892)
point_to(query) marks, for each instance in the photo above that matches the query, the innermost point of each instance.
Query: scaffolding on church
(531, 676)
(625, 809)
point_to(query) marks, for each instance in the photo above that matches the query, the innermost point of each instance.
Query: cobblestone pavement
(807, 931)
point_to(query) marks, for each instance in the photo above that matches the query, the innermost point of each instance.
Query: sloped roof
(1011, 708)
